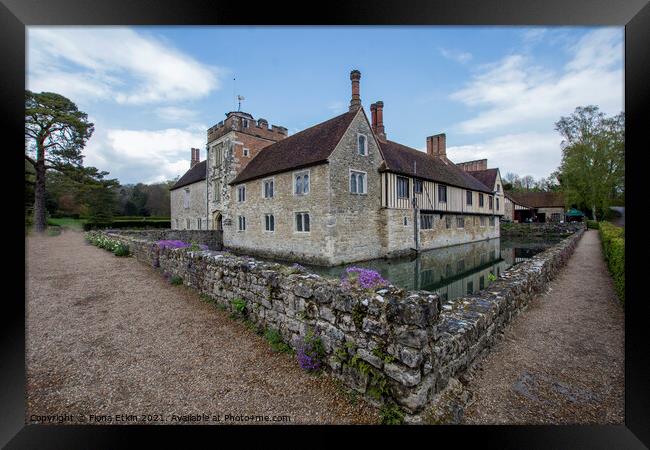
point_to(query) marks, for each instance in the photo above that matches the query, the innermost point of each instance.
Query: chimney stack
(377, 114)
(437, 145)
(355, 101)
(194, 159)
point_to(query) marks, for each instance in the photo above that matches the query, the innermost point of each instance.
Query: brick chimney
(355, 101)
(377, 114)
(194, 159)
(437, 145)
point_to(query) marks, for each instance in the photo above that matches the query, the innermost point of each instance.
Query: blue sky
(496, 92)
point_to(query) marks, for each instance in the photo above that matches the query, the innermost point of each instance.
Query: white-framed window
(217, 152)
(242, 223)
(362, 144)
(186, 198)
(244, 123)
(402, 187)
(303, 222)
(246, 152)
(426, 221)
(358, 182)
(481, 202)
(460, 222)
(301, 183)
(469, 197)
(187, 224)
(417, 186)
(241, 193)
(442, 193)
(267, 188)
(269, 222)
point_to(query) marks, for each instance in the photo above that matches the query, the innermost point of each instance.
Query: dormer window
(362, 144)
(244, 123)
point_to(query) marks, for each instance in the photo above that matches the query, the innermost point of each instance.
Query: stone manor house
(334, 193)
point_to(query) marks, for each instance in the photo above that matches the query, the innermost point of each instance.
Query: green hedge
(613, 239)
(128, 224)
(592, 224)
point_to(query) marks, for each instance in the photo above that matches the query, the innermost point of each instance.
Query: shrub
(592, 224)
(53, 231)
(274, 338)
(121, 250)
(239, 305)
(613, 241)
(93, 225)
(176, 280)
(311, 352)
(391, 414)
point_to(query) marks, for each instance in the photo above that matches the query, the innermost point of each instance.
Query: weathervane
(239, 99)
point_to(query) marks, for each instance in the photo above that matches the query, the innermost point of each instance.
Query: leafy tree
(55, 133)
(593, 158)
(528, 182)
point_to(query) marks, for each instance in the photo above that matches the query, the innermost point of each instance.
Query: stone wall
(442, 236)
(389, 344)
(540, 229)
(212, 238)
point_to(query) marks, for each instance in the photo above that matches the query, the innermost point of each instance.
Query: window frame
(364, 184)
(365, 144)
(301, 173)
(246, 152)
(408, 187)
(460, 222)
(264, 182)
(469, 197)
(442, 188)
(241, 220)
(241, 189)
(186, 198)
(422, 221)
(418, 182)
(302, 221)
(267, 222)
(481, 200)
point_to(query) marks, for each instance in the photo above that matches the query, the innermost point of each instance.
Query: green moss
(176, 280)
(391, 414)
(274, 338)
(358, 314)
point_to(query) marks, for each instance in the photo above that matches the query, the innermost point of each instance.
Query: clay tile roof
(538, 199)
(195, 174)
(488, 176)
(306, 148)
(400, 159)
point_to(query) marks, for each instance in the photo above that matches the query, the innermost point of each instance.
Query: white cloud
(456, 55)
(117, 64)
(514, 91)
(530, 153)
(144, 155)
(176, 114)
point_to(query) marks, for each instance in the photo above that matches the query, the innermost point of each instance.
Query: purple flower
(172, 244)
(366, 278)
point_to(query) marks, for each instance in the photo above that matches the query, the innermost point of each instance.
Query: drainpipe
(416, 228)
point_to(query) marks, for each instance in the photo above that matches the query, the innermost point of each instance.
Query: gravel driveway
(561, 361)
(108, 336)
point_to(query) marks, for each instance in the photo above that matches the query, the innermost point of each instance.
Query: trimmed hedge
(613, 240)
(592, 224)
(128, 224)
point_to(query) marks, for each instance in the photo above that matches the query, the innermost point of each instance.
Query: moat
(451, 272)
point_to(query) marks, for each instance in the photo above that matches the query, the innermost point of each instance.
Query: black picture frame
(634, 15)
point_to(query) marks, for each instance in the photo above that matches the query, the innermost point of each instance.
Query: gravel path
(562, 361)
(107, 335)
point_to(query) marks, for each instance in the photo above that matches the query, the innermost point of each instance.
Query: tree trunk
(593, 211)
(39, 199)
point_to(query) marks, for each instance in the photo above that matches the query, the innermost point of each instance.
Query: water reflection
(451, 271)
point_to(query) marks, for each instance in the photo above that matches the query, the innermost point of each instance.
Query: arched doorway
(217, 221)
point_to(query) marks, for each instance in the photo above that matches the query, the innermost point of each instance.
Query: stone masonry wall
(197, 207)
(212, 238)
(540, 229)
(388, 344)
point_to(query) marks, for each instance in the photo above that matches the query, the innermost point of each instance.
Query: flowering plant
(311, 352)
(168, 243)
(365, 278)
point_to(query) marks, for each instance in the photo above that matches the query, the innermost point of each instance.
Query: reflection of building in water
(451, 271)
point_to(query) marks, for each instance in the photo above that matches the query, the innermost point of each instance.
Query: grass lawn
(68, 222)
